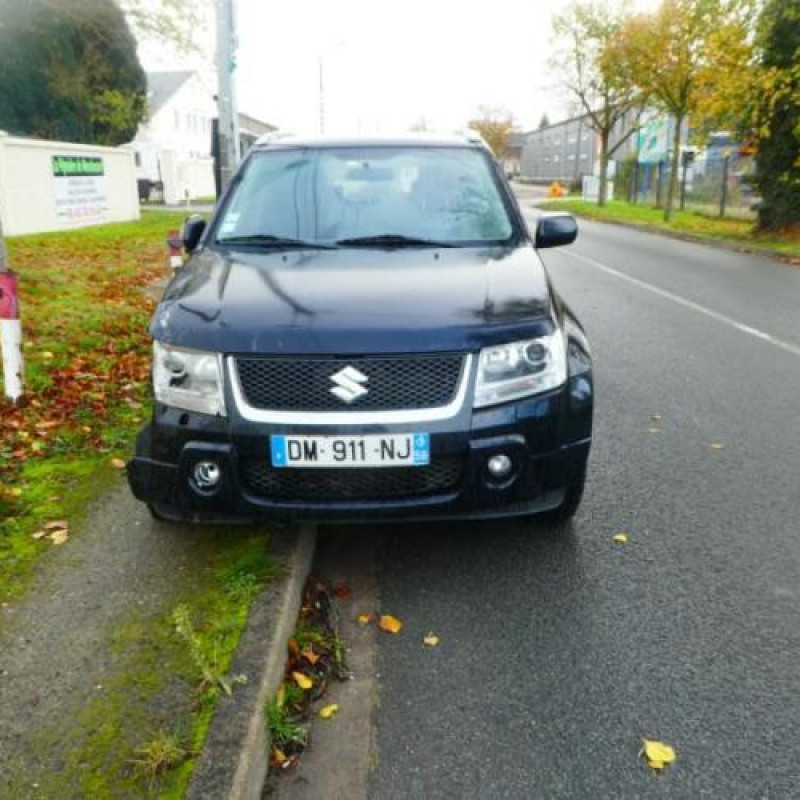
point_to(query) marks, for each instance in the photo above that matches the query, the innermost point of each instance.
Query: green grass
(735, 231)
(141, 735)
(86, 348)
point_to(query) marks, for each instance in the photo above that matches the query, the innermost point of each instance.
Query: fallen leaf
(364, 619)
(342, 590)
(390, 624)
(117, 463)
(309, 655)
(293, 648)
(303, 681)
(658, 754)
(56, 525)
(328, 711)
(278, 755)
(431, 640)
(39, 534)
(717, 446)
(621, 538)
(59, 537)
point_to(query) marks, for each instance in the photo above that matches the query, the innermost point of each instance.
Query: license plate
(398, 450)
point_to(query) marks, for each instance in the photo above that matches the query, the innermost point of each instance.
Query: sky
(389, 66)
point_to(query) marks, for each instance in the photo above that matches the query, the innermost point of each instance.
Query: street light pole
(229, 144)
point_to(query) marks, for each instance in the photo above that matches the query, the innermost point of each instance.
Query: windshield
(350, 195)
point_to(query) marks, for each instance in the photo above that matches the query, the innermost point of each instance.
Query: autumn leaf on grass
(657, 754)
(59, 536)
(364, 619)
(39, 534)
(431, 640)
(621, 538)
(328, 711)
(56, 525)
(303, 681)
(309, 655)
(390, 624)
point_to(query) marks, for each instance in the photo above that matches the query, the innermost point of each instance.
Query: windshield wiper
(270, 240)
(391, 240)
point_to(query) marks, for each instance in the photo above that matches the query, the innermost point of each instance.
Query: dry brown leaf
(309, 655)
(390, 624)
(294, 649)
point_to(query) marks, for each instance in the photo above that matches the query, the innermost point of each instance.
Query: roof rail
(271, 137)
(472, 136)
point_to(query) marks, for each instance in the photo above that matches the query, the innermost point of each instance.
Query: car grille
(394, 382)
(356, 483)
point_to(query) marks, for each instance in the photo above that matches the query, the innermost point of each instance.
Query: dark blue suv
(365, 330)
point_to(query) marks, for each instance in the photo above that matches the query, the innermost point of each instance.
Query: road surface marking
(779, 343)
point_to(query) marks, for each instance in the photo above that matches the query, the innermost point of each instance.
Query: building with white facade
(173, 146)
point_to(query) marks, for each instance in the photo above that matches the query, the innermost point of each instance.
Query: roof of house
(162, 85)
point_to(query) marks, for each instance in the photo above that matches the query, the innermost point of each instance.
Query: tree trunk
(603, 187)
(673, 174)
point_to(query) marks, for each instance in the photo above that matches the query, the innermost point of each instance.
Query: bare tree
(587, 65)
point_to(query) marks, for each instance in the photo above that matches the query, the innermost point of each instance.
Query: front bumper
(547, 438)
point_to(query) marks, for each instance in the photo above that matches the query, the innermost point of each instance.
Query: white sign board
(80, 191)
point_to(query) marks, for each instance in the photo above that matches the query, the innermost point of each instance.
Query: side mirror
(555, 230)
(193, 228)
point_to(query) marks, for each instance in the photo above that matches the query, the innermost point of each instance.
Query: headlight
(519, 369)
(188, 379)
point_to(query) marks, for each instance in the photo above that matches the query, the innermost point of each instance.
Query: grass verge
(736, 232)
(141, 733)
(87, 354)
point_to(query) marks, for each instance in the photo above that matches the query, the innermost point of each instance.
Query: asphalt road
(559, 653)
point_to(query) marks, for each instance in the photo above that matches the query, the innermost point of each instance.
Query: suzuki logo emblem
(348, 384)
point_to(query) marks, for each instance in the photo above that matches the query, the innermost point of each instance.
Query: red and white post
(10, 333)
(175, 246)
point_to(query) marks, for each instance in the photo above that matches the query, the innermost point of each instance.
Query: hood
(355, 301)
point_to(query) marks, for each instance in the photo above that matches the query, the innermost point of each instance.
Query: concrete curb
(234, 761)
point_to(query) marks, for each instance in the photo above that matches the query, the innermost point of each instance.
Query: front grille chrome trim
(350, 417)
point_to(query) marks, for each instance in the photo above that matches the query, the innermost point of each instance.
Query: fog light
(206, 475)
(499, 466)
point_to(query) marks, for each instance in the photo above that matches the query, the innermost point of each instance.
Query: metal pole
(723, 200)
(683, 186)
(230, 147)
